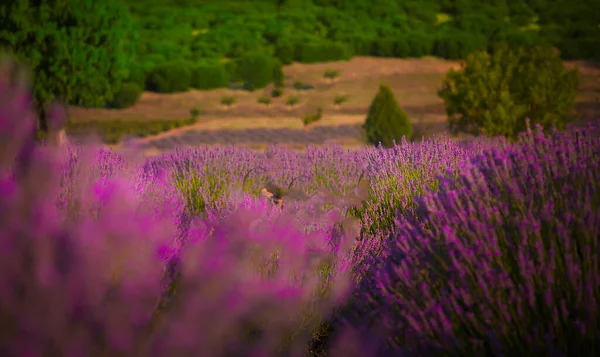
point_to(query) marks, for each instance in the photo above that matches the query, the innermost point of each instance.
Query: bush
(332, 74)
(311, 118)
(292, 100)
(127, 95)
(206, 76)
(505, 294)
(170, 77)
(325, 51)
(386, 121)
(495, 92)
(340, 99)
(256, 70)
(299, 85)
(264, 100)
(228, 100)
(194, 113)
(276, 93)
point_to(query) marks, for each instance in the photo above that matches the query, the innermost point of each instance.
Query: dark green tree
(495, 92)
(78, 51)
(386, 121)
(256, 70)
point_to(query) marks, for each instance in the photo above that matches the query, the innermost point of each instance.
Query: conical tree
(386, 121)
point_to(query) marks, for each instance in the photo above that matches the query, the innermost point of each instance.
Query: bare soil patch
(414, 81)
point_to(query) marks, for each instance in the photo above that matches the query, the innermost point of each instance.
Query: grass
(114, 131)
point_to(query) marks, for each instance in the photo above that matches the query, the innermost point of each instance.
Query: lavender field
(430, 249)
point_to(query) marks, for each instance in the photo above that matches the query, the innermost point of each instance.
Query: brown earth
(414, 81)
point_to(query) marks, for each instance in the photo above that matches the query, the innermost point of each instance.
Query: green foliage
(113, 131)
(137, 74)
(265, 100)
(194, 113)
(285, 51)
(278, 75)
(256, 70)
(323, 51)
(311, 118)
(495, 92)
(228, 100)
(209, 75)
(456, 44)
(170, 77)
(292, 100)
(127, 95)
(299, 85)
(276, 92)
(78, 51)
(340, 99)
(332, 73)
(202, 192)
(232, 68)
(386, 121)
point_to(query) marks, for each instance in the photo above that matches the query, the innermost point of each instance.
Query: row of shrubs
(114, 131)
(254, 70)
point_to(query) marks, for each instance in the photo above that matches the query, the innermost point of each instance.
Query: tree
(386, 121)
(495, 92)
(78, 51)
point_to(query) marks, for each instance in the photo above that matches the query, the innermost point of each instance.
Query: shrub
(210, 75)
(292, 100)
(128, 94)
(228, 100)
(264, 100)
(170, 77)
(311, 118)
(495, 92)
(194, 113)
(506, 294)
(332, 74)
(277, 92)
(256, 70)
(340, 99)
(299, 85)
(386, 122)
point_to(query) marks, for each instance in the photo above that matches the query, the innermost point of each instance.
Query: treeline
(191, 32)
(105, 53)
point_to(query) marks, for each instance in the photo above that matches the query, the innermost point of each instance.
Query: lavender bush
(437, 248)
(502, 259)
